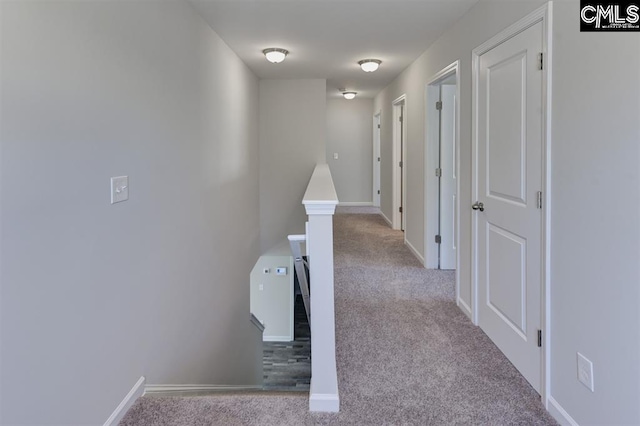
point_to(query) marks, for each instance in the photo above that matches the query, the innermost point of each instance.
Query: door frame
(544, 15)
(377, 121)
(399, 173)
(430, 180)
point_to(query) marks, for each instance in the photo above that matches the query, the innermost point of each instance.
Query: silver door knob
(478, 206)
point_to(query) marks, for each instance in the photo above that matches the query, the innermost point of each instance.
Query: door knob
(478, 206)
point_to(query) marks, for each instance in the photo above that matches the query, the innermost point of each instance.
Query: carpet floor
(406, 354)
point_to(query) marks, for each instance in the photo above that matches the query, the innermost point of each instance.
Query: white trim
(277, 338)
(170, 389)
(399, 219)
(327, 403)
(414, 251)
(386, 219)
(136, 392)
(547, 23)
(464, 308)
(560, 414)
(543, 14)
(355, 204)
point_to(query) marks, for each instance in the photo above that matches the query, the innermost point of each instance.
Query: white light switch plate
(585, 371)
(119, 189)
(335, 155)
(281, 270)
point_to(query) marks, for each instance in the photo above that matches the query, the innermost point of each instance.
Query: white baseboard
(169, 389)
(355, 203)
(325, 403)
(136, 392)
(277, 338)
(464, 308)
(414, 251)
(559, 413)
(386, 219)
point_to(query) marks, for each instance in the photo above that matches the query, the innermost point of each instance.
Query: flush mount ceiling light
(275, 55)
(349, 95)
(369, 65)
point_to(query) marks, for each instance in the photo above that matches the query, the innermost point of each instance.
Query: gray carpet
(406, 354)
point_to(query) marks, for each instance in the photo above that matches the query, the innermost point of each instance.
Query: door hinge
(378, 158)
(378, 192)
(439, 105)
(539, 338)
(400, 164)
(401, 119)
(539, 200)
(438, 172)
(540, 61)
(400, 209)
(438, 239)
(378, 126)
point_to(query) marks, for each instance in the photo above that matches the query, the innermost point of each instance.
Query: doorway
(376, 160)
(399, 151)
(441, 174)
(510, 194)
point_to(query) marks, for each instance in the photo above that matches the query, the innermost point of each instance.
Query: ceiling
(326, 38)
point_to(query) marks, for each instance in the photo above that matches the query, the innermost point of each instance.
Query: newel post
(320, 202)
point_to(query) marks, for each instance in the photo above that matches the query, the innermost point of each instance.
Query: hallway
(406, 354)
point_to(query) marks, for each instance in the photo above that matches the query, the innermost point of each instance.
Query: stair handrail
(299, 263)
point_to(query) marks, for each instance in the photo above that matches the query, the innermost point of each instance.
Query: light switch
(119, 189)
(281, 270)
(335, 155)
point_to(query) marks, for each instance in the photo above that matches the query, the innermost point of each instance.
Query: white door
(509, 176)
(448, 177)
(376, 160)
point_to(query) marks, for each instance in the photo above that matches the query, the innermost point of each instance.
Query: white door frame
(431, 179)
(543, 15)
(377, 120)
(399, 173)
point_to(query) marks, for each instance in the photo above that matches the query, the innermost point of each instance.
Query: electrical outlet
(335, 155)
(261, 287)
(585, 371)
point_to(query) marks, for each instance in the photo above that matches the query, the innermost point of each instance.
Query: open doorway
(399, 144)
(441, 174)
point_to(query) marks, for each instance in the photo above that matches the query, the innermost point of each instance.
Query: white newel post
(320, 202)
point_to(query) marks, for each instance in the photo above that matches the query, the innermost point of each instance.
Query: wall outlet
(261, 287)
(281, 270)
(335, 155)
(585, 371)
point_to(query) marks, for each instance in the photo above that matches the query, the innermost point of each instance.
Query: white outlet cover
(335, 155)
(119, 189)
(585, 371)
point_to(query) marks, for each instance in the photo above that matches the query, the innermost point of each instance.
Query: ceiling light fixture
(349, 95)
(369, 65)
(275, 55)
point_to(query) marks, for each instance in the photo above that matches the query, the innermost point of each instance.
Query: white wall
(292, 142)
(94, 295)
(272, 298)
(595, 195)
(350, 135)
(595, 222)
